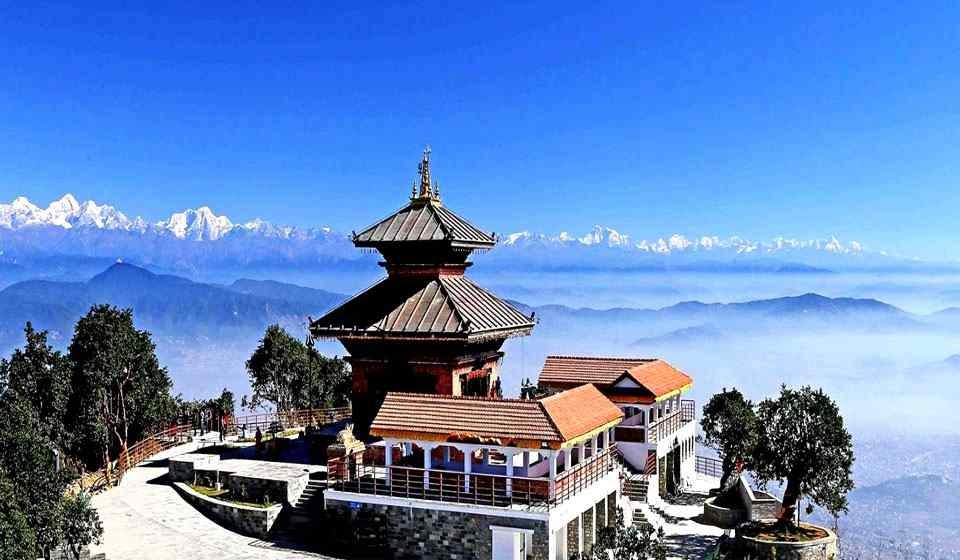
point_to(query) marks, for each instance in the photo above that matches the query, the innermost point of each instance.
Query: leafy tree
(37, 515)
(17, 539)
(729, 426)
(273, 367)
(803, 441)
(39, 376)
(226, 403)
(292, 374)
(120, 390)
(326, 381)
(626, 543)
(81, 524)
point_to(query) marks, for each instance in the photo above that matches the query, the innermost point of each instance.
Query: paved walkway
(685, 536)
(145, 519)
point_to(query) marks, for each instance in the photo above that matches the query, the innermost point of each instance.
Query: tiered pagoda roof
(425, 246)
(624, 380)
(448, 306)
(423, 220)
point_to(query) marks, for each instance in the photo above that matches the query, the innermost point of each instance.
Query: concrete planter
(721, 516)
(248, 520)
(819, 549)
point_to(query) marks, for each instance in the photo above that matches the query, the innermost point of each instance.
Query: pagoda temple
(426, 327)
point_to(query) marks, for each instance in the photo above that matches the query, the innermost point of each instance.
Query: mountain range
(164, 304)
(199, 243)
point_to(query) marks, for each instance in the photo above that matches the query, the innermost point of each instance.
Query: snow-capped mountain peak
(200, 225)
(601, 236)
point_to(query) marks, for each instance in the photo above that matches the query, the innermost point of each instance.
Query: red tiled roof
(655, 376)
(523, 423)
(659, 377)
(579, 411)
(586, 369)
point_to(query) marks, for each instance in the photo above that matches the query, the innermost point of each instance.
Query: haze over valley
(879, 333)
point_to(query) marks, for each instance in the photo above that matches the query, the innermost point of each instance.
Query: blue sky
(743, 119)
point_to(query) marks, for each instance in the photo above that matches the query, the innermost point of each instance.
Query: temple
(426, 327)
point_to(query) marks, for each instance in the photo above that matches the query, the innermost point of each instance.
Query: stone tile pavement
(685, 536)
(145, 519)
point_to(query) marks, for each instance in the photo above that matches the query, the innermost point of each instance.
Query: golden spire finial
(428, 190)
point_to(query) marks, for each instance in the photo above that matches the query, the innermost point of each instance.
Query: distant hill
(694, 321)
(291, 293)
(164, 304)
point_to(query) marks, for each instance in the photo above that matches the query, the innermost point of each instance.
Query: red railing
(709, 466)
(351, 474)
(112, 474)
(288, 419)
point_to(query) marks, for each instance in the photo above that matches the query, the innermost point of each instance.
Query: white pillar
(509, 455)
(552, 459)
(427, 464)
(388, 457)
(606, 439)
(446, 454)
(467, 468)
(582, 452)
(593, 446)
(567, 458)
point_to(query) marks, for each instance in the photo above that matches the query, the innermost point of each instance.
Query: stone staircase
(311, 500)
(636, 488)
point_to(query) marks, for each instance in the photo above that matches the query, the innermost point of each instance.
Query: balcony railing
(688, 409)
(709, 466)
(351, 474)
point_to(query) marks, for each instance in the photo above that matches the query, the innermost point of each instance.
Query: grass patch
(224, 496)
(207, 491)
(789, 533)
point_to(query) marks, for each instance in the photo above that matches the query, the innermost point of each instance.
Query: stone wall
(587, 529)
(759, 506)
(721, 516)
(256, 522)
(411, 532)
(183, 468)
(251, 488)
(821, 549)
(573, 536)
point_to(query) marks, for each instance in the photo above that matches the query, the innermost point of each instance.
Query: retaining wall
(411, 532)
(249, 520)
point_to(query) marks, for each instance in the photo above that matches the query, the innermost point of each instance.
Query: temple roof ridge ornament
(429, 189)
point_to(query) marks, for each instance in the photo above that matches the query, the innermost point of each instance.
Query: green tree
(226, 403)
(120, 390)
(326, 382)
(292, 374)
(37, 514)
(729, 427)
(39, 376)
(803, 441)
(17, 539)
(621, 542)
(273, 367)
(81, 524)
